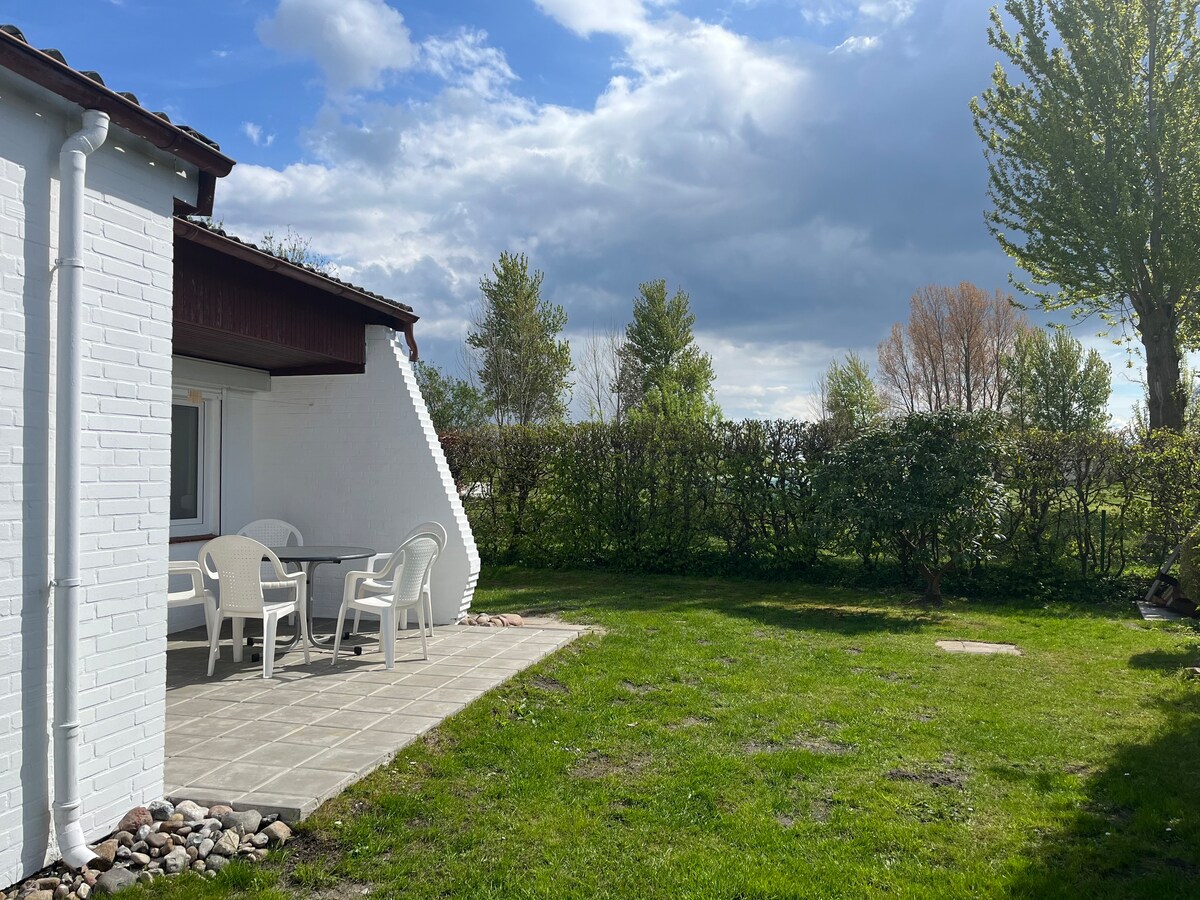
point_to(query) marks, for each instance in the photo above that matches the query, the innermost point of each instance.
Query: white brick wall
(354, 459)
(125, 465)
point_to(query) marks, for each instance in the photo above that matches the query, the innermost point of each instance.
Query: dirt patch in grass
(551, 685)
(820, 809)
(727, 661)
(934, 778)
(819, 744)
(639, 689)
(345, 890)
(1080, 769)
(689, 722)
(854, 651)
(438, 742)
(596, 765)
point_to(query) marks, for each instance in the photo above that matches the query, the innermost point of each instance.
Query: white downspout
(72, 162)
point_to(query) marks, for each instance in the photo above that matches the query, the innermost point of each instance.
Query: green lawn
(734, 739)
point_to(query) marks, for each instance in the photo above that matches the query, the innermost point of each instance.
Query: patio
(288, 744)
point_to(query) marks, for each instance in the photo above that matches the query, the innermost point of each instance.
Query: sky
(799, 167)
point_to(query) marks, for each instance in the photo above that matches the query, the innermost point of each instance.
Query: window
(195, 451)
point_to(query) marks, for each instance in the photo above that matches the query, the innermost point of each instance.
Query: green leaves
(523, 366)
(1091, 143)
(665, 375)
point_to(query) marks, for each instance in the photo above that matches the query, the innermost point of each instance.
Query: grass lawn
(734, 739)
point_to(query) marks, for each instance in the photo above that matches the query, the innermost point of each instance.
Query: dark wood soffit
(338, 294)
(228, 310)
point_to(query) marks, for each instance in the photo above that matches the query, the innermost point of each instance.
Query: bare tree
(952, 352)
(599, 375)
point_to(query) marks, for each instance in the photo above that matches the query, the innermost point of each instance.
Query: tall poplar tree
(523, 366)
(1092, 145)
(663, 373)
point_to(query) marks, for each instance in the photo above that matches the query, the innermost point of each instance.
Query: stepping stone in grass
(979, 648)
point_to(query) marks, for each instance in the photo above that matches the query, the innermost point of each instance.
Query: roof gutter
(72, 161)
(59, 78)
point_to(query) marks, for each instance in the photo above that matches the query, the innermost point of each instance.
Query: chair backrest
(434, 529)
(237, 560)
(273, 533)
(420, 553)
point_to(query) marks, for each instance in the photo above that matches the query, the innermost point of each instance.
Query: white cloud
(890, 12)
(255, 133)
(857, 44)
(587, 16)
(354, 41)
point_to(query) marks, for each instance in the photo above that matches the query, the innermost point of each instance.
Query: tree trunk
(1166, 395)
(933, 584)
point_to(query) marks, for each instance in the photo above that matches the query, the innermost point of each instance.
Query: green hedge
(777, 497)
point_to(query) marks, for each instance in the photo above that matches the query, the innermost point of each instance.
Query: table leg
(313, 640)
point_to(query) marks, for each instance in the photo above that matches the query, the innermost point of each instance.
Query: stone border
(158, 840)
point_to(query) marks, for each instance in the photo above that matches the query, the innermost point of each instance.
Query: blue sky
(800, 167)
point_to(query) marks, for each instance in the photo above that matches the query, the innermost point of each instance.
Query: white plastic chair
(236, 560)
(380, 585)
(408, 569)
(196, 594)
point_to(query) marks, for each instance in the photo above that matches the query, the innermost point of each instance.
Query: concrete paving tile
(251, 712)
(452, 695)
(404, 724)
(237, 777)
(295, 715)
(493, 672)
(216, 750)
(432, 681)
(204, 726)
(355, 763)
(403, 692)
(186, 770)
(432, 708)
(379, 704)
(320, 735)
(317, 782)
(201, 707)
(476, 683)
(332, 701)
(350, 718)
(282, 755)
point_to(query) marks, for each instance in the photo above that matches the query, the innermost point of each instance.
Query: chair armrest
(189, 567)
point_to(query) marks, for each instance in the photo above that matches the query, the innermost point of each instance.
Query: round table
(311, 556)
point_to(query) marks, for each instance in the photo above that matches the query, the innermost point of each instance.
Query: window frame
(208, 462)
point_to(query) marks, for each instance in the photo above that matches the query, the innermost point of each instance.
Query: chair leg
(238, 642)
(270, 626)
(421, 625)
(387, 637)
(337, 634)
(302, 612)
(214, 644)
(428, 603)
(354, 630)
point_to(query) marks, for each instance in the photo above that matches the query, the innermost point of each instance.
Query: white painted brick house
(340, 445)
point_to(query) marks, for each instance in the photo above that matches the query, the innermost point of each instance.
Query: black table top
(321, 553)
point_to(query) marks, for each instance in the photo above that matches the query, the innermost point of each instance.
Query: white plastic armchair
(195, 594)
(383, 563)
(236, 560)
(408, 568)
